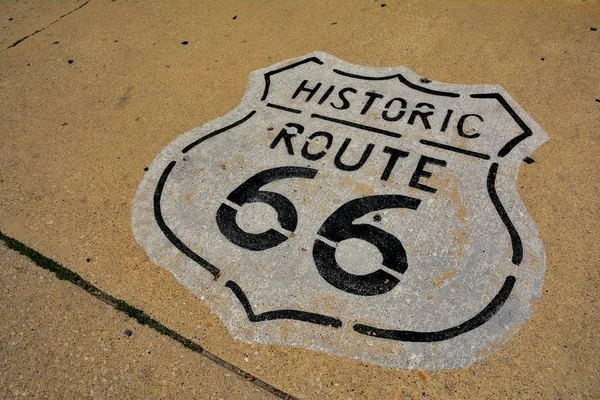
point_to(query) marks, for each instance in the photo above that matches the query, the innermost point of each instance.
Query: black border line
(468, 325)
(507, 148)
(515, 239)
(276, 71)
(269, 315)
(402, 80)
(169, 233)
(358, 126)
(65, 274)
(314, 318)
(454, 149)
(413, 336)
(288, 109)
(215, 133)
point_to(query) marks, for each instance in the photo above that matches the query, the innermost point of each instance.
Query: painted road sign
(365, 212)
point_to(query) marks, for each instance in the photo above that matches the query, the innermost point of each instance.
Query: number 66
(337, 227)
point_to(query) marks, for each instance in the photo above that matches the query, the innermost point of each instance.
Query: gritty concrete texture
(57, 341)
(409, 265)
(76, 137)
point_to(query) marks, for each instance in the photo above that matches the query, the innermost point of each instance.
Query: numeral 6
(339, 226)
(249, 192)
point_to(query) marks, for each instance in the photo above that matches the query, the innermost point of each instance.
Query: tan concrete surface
(57, 341)
(76, 137)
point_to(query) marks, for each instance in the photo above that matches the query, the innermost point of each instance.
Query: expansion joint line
(47, 26)
(139, 315)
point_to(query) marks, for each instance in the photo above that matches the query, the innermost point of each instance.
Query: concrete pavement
(95, 90)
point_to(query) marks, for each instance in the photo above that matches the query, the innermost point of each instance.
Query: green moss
(65, 274)
(140, 316)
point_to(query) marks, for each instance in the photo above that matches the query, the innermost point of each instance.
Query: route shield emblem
(364, 212)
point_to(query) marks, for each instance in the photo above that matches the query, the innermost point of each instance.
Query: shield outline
(243, 113)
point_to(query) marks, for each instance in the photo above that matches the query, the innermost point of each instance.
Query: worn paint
(359, 211)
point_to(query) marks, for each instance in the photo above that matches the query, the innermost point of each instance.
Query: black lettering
(287, 137)
(400, 114)
(303, 88)
(421, 173)
(250, 192)
(326, 95)
(372, 97)
(446, 120)
(363, 159)
(321, 154)
(340, 226)
(345, 102)
(394, 155)
(422, 115)
(461, 122)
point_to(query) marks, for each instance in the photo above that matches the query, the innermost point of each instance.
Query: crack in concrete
(139, 315)
(47, 26)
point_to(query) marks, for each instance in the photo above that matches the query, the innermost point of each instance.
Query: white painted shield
(365, 212)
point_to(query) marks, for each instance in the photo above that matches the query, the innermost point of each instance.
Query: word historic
(388, 108)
